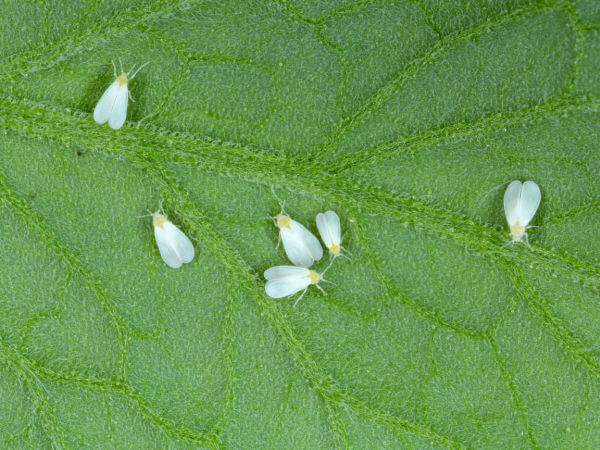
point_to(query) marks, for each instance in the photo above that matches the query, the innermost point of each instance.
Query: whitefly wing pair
(521, 201)
(112, 106)
(301, 246)
(174, 246)
(330, 230)
(283, 281)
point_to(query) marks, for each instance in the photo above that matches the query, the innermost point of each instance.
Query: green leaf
(407, 118)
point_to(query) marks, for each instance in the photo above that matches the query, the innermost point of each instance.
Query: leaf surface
(408, 119)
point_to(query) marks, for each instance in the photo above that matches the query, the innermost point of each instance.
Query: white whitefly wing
(182, 244)
(329, 227)
(511, 202)
(301, 246)
(279, 272)
(105, 104)
(283, 281)
(295, 249)
(529, 202)
(118, 113)
(167, 247)
(285, 287)
(310, 240)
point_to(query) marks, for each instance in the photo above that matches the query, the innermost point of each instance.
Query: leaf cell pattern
(404, 117)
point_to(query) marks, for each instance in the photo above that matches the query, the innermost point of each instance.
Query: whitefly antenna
(281, 204)
(138, 69)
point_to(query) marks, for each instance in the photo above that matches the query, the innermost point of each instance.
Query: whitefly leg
(301, 295)
(526, 241)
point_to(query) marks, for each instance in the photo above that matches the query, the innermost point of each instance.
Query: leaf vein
(17, 364)
(242, 275)
(510, 384)
(48, 56)
(415, 66)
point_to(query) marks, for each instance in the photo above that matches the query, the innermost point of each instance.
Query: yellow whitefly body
(283, 281)
(283, 221)
(517, 231)
(314, 277)
(112, 106)
(158, 220)
(122, 79)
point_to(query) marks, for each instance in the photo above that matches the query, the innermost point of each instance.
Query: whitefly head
(122, 80)
(125, 77)
(158, 217)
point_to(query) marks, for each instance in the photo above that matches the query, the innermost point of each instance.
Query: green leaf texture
(406, 117)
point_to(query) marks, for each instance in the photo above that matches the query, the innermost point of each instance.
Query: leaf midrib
(33, 120)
